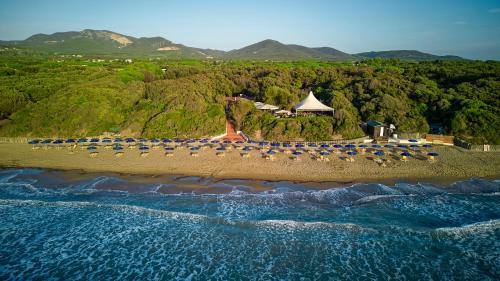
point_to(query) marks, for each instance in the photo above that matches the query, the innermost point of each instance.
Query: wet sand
(453, 164)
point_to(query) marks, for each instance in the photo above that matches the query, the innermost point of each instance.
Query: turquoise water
(84, 230)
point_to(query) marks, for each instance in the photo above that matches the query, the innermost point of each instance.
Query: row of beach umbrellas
(190, 141)
(350, 148)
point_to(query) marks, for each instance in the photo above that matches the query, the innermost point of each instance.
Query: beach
(453, 164)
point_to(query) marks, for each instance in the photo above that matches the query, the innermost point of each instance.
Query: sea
(109, 227)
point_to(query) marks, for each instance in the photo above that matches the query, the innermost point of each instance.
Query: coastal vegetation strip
(72, 97)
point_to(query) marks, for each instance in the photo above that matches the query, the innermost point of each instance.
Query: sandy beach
(453, 164)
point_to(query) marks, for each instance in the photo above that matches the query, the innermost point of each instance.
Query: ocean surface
(109, 228)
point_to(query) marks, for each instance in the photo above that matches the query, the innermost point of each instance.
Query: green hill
(274, 50)
(108, 43)
(406, 55)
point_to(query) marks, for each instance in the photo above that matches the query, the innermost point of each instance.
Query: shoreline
(150, 177)
(453, 165)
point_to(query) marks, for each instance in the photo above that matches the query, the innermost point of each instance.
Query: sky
(469, 28)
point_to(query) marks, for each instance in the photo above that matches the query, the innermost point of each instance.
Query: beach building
(376, 129)
(311, 105)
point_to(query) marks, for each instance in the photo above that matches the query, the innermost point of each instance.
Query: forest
(66, 96)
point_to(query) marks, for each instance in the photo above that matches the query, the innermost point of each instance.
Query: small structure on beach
(311, 105)
(377, 129)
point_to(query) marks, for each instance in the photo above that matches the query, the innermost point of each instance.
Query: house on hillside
(312, 106)
(283, 113)
(266, 107)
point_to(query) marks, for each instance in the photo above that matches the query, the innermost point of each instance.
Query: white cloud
(494, 11)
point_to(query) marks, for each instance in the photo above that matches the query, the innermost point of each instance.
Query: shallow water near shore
(98, 227)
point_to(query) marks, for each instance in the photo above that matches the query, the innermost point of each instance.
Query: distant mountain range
(108, 43)
(406, 55)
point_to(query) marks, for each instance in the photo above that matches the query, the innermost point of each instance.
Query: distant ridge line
(110, 43)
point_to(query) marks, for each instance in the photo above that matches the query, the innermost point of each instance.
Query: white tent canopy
(287, 112)
(265, 106)
(310, 103)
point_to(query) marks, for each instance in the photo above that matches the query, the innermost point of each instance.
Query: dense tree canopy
(50, 96)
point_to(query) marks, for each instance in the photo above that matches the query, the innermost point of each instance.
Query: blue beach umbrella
(247, 148)
(407, 154)
(195, 148)
(432, 154)
(297, 153)
(215, 141)
(33, 141)
(388, 146)
(402, 146)
(143, 147)
(414, 146)
(47, 141)
(94, 140)
(166, 140)
(154, 141)
(349, 146)
(271, 152)
(168, 148)
(324, 153)
(376, 146)
(275, 144)
(227, 142)
(239, 142)
(91, 148)
(413, 140)
(324, 145)
(220, 148)
(70, 141)
(427, 145)
(379, 153)
(311, 145)
(82, 140)
(299, 145)
(58, 141)
(287, 145)
(352, 153)
(203, 141)
(106, 140)
(143, 140)
(129, 140)
(337, 146)
(118, 140)
(117, 148)
(363, 145)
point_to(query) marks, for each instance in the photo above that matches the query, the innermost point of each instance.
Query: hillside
(112, 44)
(406, 55)
(56, 97)
(274, 50)
(108, 43)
